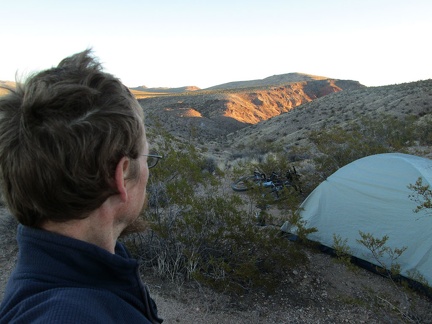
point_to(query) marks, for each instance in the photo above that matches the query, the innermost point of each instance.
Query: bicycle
(274, 183)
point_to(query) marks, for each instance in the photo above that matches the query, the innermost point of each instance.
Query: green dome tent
(371, 195)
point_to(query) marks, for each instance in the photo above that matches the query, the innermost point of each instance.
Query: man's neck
(94, 229)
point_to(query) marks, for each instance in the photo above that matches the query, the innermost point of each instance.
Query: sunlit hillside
(5, 84)
(143, 94)
(224, 111)
(291, 128)
(274, 80)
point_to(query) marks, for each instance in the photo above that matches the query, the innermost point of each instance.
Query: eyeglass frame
(157, 158)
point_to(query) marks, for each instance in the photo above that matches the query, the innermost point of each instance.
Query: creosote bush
(288, 198)
(422, 195)
(339, 146)
(199, 232)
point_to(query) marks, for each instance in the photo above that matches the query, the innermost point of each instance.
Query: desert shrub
(342, 251)
(199, 232)
(423, 131)
(339, 146)
(422, 195)
(273, 162)
(256, 151)
(209, 164)
(378, 247)
(301, 228)
(280, 164)
(298, 153)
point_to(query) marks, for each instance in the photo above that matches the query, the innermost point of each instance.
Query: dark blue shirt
(58, 279)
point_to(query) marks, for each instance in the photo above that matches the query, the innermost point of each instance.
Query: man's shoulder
(71, 305)
(63, 305)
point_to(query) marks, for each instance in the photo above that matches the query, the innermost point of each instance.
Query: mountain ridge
(166, 89)
(274, 80)
(218, 112)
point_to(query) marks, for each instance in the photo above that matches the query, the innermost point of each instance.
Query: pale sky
(168, 43)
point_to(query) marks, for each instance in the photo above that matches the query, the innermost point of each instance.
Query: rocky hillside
(8, 84)
(211, 114)
(340, 108)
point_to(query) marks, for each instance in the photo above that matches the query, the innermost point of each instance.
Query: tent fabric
(371, 195)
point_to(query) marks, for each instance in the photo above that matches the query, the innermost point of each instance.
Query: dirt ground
(323, 292)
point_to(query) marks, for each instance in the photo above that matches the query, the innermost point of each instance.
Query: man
(74, 165)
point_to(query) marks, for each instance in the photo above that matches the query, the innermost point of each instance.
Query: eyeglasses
(152, 159)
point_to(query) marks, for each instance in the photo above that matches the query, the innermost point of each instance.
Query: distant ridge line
(277, 79)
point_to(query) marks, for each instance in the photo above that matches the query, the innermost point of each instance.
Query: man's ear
(121, 173)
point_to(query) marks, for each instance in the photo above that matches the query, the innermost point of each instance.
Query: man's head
(62, 135)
